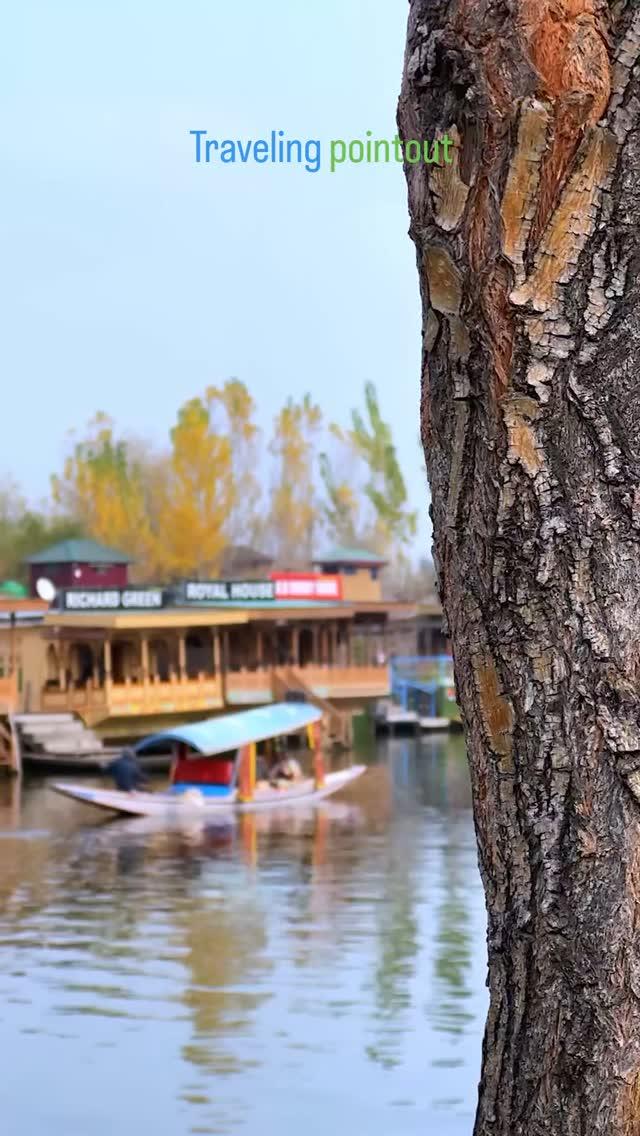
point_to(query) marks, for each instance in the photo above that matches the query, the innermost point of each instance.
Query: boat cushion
(203, 771)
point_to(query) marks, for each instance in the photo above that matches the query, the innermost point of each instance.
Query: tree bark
(528, 256)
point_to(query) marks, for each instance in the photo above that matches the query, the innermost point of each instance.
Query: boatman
(127, 772)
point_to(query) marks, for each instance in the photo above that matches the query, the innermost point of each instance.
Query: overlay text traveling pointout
(276, 149)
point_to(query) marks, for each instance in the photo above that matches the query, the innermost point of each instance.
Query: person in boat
(286, 768)
(127, 772)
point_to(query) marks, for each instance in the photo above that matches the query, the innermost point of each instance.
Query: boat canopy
(232, 731)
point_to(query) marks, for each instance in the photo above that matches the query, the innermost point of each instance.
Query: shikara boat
(214, 767)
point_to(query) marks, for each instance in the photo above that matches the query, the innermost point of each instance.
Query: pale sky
(133, 277)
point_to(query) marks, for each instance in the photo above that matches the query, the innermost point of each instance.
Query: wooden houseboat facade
(129, 659)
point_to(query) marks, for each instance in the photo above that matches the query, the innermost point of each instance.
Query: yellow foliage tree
(105, 490)
(245, 524)
(199, 491)
(295, 510)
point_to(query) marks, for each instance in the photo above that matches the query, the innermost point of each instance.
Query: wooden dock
(393, 719)
(59, 741)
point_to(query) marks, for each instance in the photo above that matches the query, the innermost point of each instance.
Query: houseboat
(129, 659)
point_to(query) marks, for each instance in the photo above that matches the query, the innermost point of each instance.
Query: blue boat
(228, 763)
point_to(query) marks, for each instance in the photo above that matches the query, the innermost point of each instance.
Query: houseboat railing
(239, 687)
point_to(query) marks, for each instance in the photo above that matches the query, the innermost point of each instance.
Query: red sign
(306, 586)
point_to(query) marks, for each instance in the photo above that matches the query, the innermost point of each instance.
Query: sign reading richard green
(112, 599)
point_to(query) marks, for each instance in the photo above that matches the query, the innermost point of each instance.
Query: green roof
(350, 556)
(78, 552)
(13, 589)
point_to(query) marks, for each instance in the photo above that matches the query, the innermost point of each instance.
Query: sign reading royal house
(281, 586)
(112, 599)
(228, 591)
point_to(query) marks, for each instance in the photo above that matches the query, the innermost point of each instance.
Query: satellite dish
(46, 590)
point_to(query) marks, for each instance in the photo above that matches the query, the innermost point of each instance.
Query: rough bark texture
(528, 253)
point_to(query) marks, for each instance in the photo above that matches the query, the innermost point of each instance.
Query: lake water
(317, 972)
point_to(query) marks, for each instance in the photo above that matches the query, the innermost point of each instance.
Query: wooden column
(182, 657)
(107, 664)
(12, 643)
(259, 649)
(247, 773)
(295, 645)
(349, 631)
(215, 636)
(386, 641)
(62, 672)
(314, 734)
(334, 644)
(144, 658)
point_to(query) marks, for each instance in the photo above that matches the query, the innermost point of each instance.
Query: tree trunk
(528, 255)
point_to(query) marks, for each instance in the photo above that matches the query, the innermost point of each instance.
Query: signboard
(228, 591)
(282, 586)
(111, 599)
(307, 586)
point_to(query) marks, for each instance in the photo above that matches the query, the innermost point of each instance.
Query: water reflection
(317, 968)
(453, 948)
(397, 949)
(10, 801)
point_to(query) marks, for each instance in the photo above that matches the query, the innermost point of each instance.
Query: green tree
(367, 501)
(25, 530)
(343, 499)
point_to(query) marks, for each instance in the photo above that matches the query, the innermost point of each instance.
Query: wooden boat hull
(172, 806)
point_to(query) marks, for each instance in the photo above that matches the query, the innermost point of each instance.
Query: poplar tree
(199, 490)
(244, 524)
(294, 515)
(366, 500)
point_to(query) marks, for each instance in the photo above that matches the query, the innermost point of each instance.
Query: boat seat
(203, 771)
